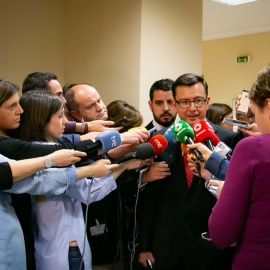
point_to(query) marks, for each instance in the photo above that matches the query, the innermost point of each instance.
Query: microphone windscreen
(144, 151)
(159, 143)
(181, 130)
(184, 147)
(203, 130)
(215, 140)
(109, 139)
(170, 136)
(137, 128)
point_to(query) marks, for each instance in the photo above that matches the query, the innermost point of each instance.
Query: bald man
(84, 102)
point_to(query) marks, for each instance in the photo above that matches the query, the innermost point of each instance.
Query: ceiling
(220, 21)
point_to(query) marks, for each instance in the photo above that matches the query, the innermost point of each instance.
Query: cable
(135, 231)
(85, 221)
(119, 218)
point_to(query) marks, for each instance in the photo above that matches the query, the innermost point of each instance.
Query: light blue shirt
(59, 220)
(12, 248)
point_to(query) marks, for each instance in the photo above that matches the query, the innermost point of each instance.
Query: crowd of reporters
(240, 215)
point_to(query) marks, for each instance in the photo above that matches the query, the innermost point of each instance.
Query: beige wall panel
(32, 38)
(171, 43)
(104, 47)
(225, 77)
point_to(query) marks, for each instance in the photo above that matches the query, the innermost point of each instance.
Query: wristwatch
(48, 162)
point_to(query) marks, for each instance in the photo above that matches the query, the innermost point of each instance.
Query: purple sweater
(242, 212)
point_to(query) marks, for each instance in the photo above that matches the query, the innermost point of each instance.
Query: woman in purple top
(242, 212)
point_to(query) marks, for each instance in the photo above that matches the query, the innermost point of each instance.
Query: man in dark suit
(161, 104)
(176, 209)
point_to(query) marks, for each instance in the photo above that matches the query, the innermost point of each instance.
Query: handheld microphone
(152, 130)
(105, 141)
(159, 144)
(120, 123)
(142, 151)
(170, 136)
(205, 133)
(185, 134)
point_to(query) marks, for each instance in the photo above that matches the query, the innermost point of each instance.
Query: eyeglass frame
(197, 106)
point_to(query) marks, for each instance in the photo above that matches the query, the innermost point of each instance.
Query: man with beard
(161, 104)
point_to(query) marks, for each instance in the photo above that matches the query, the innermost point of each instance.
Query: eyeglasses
(184, 104)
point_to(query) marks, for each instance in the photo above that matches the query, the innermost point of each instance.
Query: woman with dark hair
(10, 112)
(217, 112)
(59, 230)
(119, 108)
(49, 181)
(242, 212)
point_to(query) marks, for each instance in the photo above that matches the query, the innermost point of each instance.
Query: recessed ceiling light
(233, 2)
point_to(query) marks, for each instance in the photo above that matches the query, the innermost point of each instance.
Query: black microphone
(142, 151)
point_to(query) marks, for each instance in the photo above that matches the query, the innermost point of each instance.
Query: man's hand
(89, 136)
(201, 148)
(100, 126)
(121, 150)
(156, 171)
(135, 136)
(144, 256)
(101, 167)
(133, 164)
(65, 157)
(194, 167)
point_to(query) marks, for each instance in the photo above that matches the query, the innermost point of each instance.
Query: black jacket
(174, 216)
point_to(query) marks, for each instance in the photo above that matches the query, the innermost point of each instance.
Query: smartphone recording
(238, 123)
(244, 102)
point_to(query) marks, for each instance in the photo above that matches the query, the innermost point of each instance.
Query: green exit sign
(241, 59)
